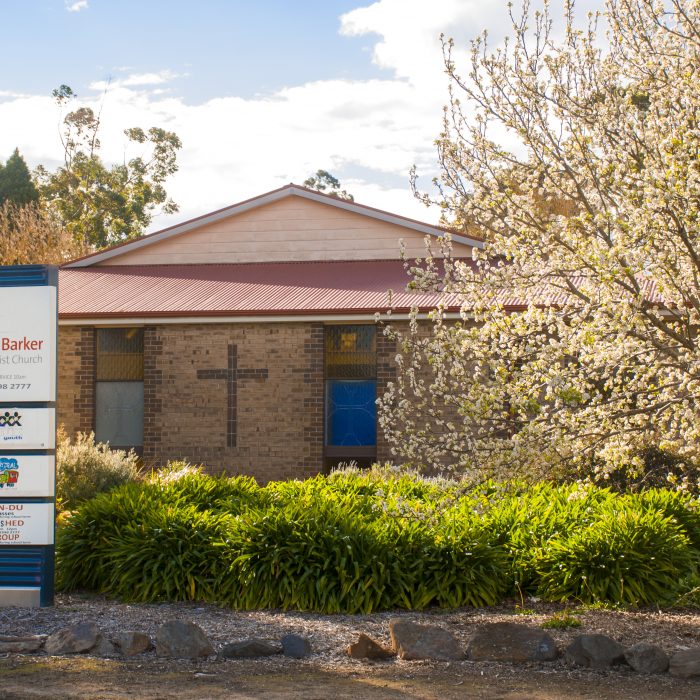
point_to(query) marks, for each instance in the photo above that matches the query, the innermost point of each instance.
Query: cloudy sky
(261, 92)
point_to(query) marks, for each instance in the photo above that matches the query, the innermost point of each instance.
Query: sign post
(28, 349)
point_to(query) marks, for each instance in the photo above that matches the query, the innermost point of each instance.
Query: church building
(243, 340)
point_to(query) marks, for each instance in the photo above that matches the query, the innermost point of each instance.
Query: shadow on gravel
(83, 677)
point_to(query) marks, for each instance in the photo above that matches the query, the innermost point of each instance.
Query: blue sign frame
(24, 569)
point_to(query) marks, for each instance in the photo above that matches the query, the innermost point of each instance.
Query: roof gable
(290, 223)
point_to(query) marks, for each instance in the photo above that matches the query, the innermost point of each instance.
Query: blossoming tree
(578, 339)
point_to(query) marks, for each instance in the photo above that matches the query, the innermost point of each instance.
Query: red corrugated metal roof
(237, 289)
(256, 289)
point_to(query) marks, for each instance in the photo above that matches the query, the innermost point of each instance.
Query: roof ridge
(240, 264)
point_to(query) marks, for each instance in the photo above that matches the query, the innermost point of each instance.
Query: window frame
(138, 449)
(333, 454)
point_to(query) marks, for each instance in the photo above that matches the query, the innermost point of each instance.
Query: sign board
(27, 343)
(27, 476)
(27, 428)
(28, 346)
(26, 523)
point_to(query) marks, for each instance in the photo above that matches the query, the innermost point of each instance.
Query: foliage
(561, 621)
(84, 469)
(16, 182)
(625, 556)
(99, 204)
(578, 343)
(324, 182)
(354, 542)
(29, 235)
(651, 467)
(689, 591)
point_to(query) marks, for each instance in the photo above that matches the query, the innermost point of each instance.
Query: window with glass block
(119, 387)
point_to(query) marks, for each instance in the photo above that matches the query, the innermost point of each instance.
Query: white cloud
(409, 33)
(137, 80)
(77, 5)
(368, 133)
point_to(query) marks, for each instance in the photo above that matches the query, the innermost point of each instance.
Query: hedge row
(355, 542)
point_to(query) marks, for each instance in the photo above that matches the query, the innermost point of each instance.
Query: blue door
(351, 413)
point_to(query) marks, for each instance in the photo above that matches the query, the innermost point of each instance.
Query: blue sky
(217, 47)
(261, 92)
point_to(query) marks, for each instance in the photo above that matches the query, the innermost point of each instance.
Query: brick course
(76, 375)
(152, 403)
(264, 417)
(386, 372)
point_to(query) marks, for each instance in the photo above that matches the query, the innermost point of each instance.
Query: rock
(182, 640)
(366, 648)
(646, 658)
(73, 640)
(20, 645)
(594, 651)
(685, 664)
(506, 641)
(413, 641)
(249, 648)
(132, 643)
(105, 647)
(295, 646)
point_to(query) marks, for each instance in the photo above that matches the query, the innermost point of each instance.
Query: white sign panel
(26, 476)
(27, 339)
(27, 428)
(26, 523)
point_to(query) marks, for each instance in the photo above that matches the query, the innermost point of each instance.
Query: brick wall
(244, 398)
(386, 372)
(152, 401)
(76, 375)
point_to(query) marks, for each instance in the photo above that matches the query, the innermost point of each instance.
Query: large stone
(646, 658)
(21, 645)
(366, 648)
(506, 641)
(250, 648)
(132, 643)
(412, 641)
(73, 640)
(594, 651)
(295, 646)
(182, 640)
(686, 664)
(105, 647)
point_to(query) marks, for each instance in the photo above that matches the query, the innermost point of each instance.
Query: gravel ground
(328, 672)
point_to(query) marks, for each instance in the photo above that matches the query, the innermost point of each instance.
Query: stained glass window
(351, 387)
(351, 352)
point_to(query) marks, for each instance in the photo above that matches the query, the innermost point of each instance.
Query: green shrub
(319, 559)
(183, 483)
(684, 509)
(355, 542)
(688, 592)
(525, 519)
(130, 544)
(85, 540)
(624, 556)
(450, 564)
(84, 469)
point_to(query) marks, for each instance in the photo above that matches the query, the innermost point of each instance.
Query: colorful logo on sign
(10, 426)
(9, 472)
